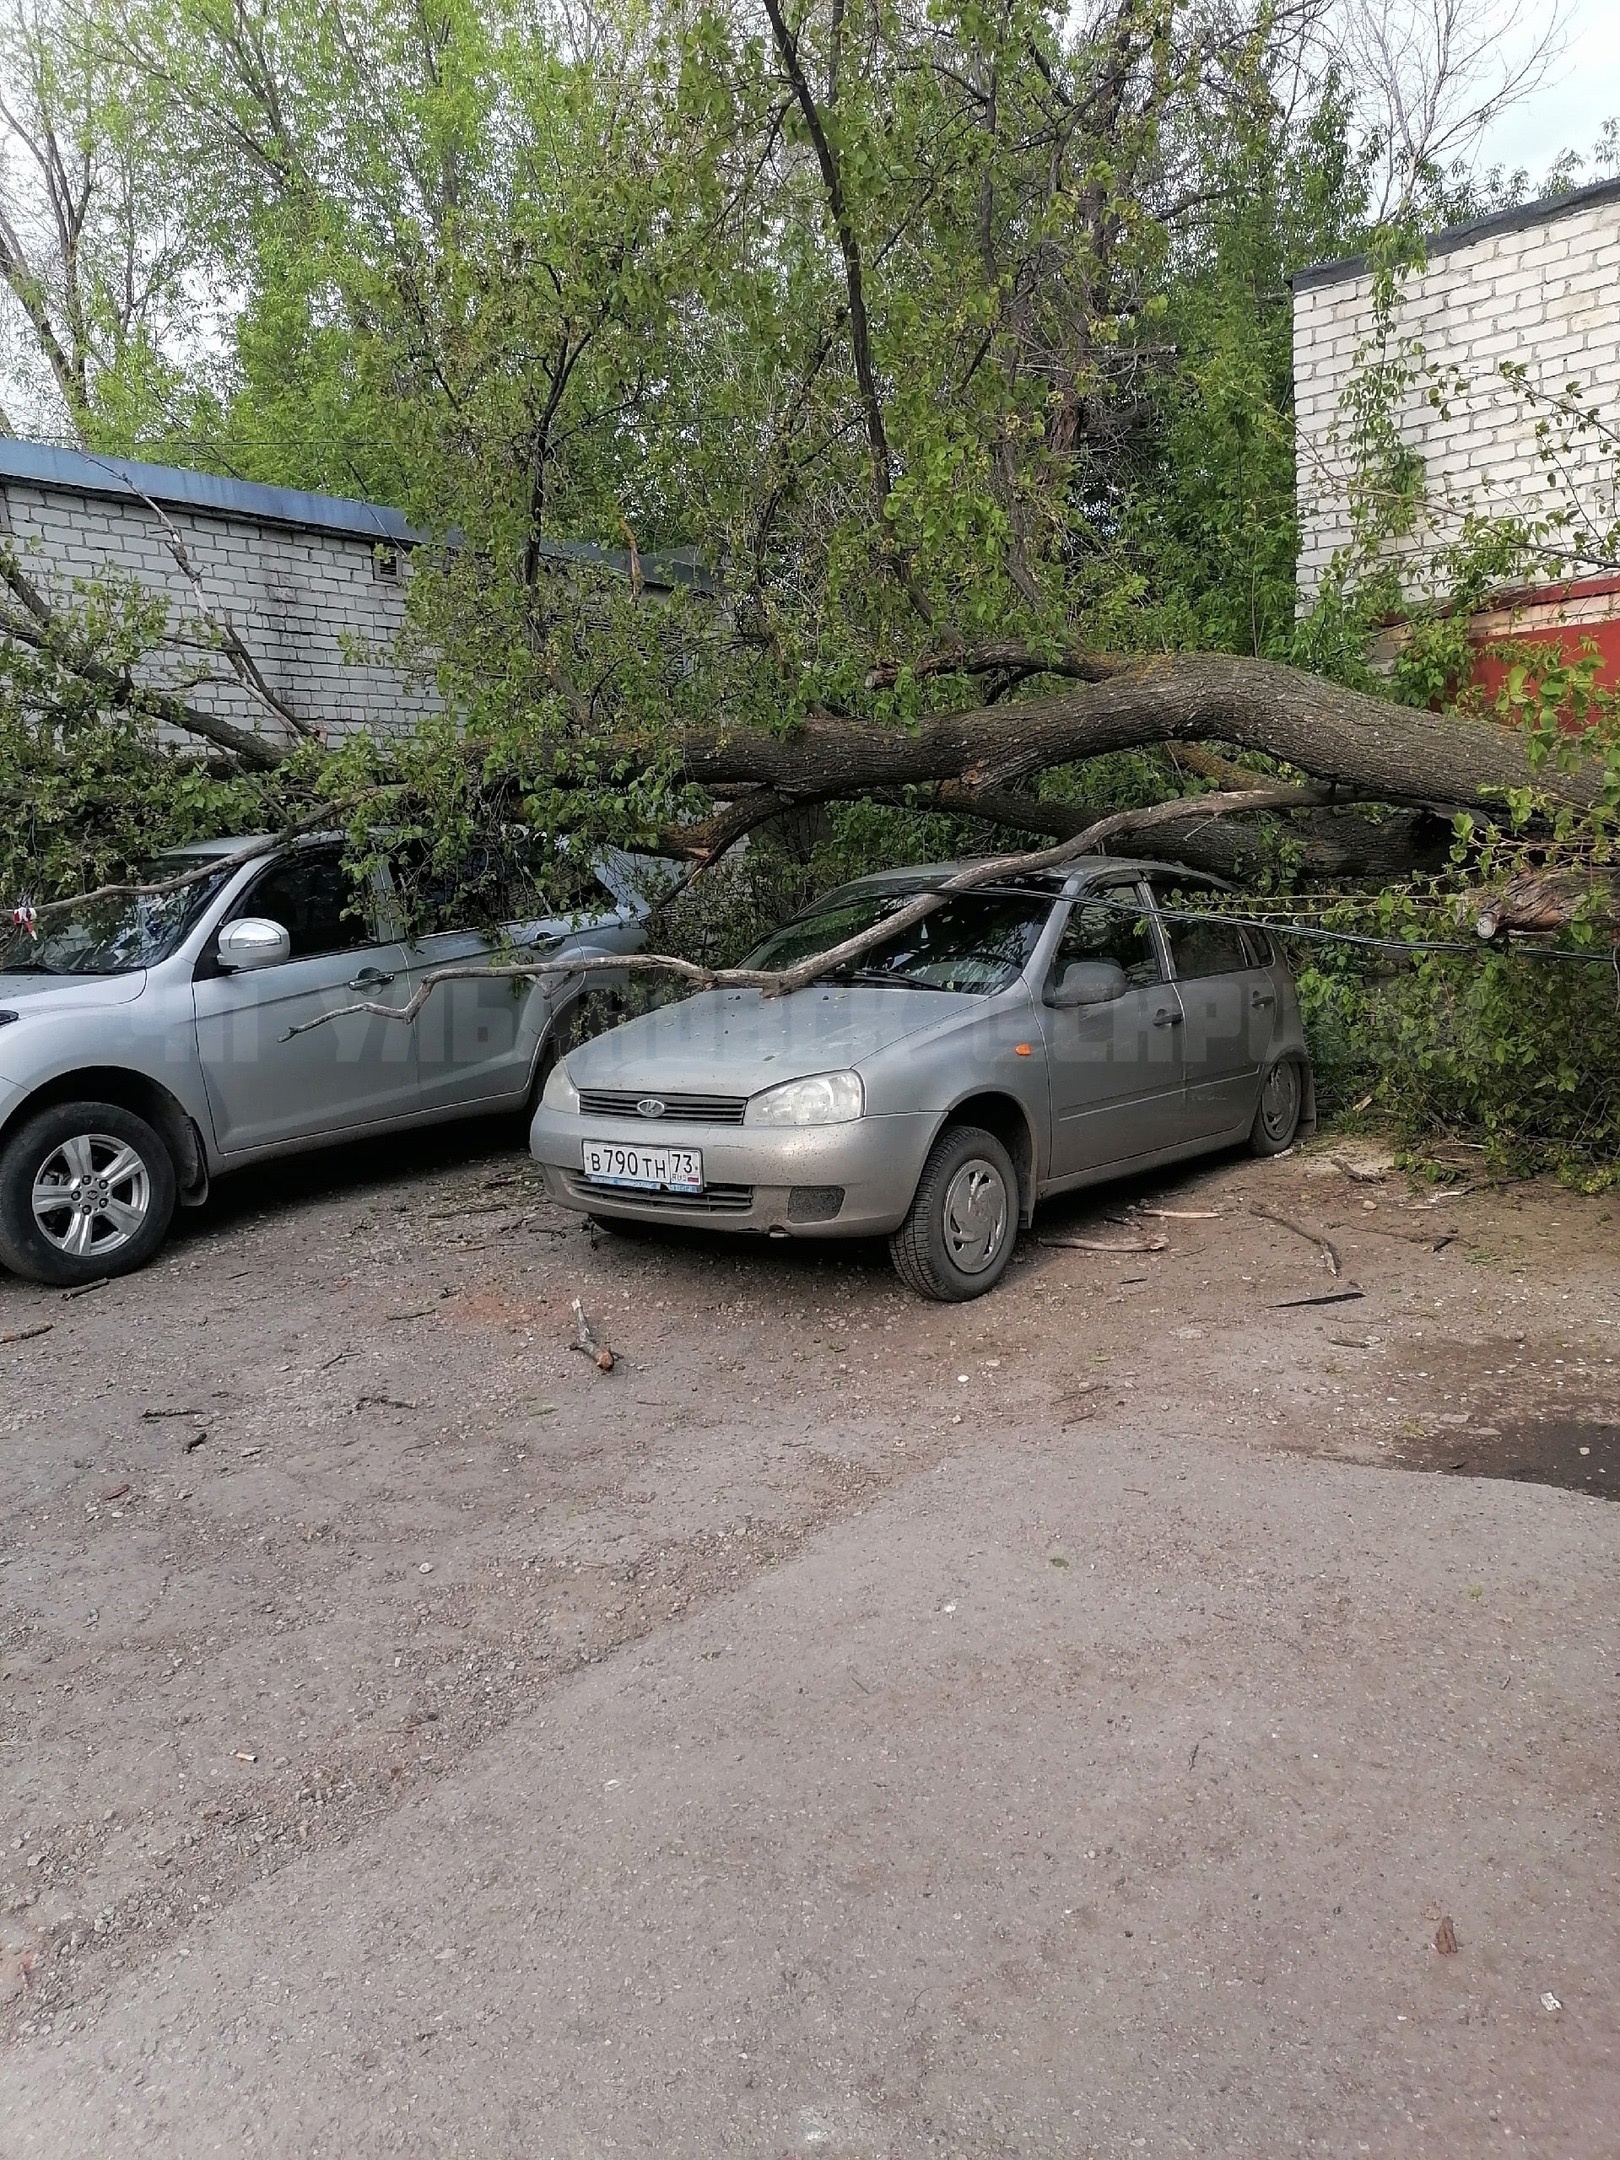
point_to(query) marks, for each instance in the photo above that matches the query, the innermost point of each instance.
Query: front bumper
(854, 1180)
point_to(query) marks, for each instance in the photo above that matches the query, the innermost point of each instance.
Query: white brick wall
(1545, 295)
(298, 600)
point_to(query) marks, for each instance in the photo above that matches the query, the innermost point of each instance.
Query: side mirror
(1088, 982)
(253, 941)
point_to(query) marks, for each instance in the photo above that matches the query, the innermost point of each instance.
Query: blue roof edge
(87, 472)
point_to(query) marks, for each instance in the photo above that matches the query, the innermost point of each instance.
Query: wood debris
(585, 1341)
(1325, 1245)
(1099, 1245)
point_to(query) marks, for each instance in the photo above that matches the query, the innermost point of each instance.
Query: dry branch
(1326, 1246)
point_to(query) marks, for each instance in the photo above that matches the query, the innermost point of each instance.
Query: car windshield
(114, 936)
(977, 942)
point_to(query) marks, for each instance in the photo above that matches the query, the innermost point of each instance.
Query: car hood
(61, 993)
(735, 1042)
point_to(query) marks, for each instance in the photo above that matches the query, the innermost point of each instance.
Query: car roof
(1087, 870)
(206, 850)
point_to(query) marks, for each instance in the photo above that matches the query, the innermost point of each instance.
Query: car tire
(1281, 1104)
(114, 1227)
(958, 1238)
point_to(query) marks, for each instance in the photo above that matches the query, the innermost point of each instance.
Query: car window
(117, 935)
(312, 898)
(1209, 947)
(510, 879)
(1105, 929)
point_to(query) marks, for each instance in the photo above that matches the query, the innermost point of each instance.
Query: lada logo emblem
(649, 1106)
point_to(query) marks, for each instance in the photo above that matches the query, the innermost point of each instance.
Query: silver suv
(144, 1044)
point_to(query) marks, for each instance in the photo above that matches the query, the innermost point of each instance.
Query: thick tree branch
(1358, 744)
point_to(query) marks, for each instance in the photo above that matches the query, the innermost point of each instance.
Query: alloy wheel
(91, 1195)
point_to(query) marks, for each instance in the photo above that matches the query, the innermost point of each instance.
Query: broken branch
(1326, 1246)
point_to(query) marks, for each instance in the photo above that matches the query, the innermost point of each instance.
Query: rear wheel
(958, 1238)
(1276, 1119)
(86, 1191)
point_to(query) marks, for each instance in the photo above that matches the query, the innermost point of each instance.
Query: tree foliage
(950, 337)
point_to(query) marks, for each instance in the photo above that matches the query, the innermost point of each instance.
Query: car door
(477, 1041)
(265, 1089)
(1114, 1070)
(1227, 1004)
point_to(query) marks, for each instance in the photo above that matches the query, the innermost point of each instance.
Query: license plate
(647, 1169)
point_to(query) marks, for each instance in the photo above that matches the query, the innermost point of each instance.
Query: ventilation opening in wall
(386, 563)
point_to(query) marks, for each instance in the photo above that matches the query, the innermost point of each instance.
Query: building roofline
(85, 472)
(216, 495)
(1461, 236)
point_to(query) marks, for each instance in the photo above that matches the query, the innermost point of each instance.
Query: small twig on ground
(27, 1334)
(84, 1289)
(1346, 1296)
(417, 1312)
(150, 1414)
(1452, 1192)
(1326, 1246)
(1098, 1245)
(1182, 1214)
(1426, 1238)
(585, 1340)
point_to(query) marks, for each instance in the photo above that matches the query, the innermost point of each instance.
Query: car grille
(713, 1200)
(694, 1109)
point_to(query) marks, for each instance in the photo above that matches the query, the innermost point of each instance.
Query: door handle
(370, 978)
(1165, 1018)
(1263, 997)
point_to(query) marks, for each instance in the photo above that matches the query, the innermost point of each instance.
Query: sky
(1581, 92)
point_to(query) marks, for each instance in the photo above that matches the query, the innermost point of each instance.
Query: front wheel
(1276, 1119)
(87, 1190)
(958, 1238)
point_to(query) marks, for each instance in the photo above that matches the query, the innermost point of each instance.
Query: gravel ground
(1060, 1725)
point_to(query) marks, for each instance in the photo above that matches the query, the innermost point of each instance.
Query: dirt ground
(1063, 1725)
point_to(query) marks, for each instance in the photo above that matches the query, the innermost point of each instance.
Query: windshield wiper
(26, 967)
(883, 979)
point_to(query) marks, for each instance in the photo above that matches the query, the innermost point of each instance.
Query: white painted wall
(1546, 295)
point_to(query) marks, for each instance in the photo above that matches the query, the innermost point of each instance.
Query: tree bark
(1321, 844)
(1363, 746)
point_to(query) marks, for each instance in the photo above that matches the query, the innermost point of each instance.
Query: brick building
(314, 585)
(1537, 288)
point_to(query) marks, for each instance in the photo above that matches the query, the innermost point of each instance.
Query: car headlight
(824, 1099)
(560, 1092)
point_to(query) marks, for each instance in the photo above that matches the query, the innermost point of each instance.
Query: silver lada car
(144, 1044)
(1022, 1040)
